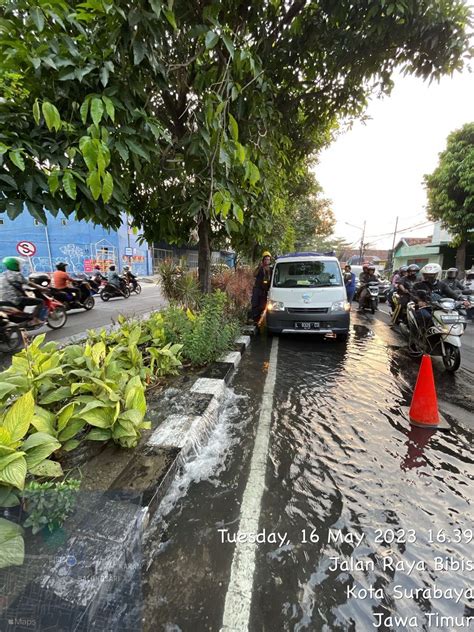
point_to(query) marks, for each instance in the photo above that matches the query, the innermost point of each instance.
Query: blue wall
(78, 243)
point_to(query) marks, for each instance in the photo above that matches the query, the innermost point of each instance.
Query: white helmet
(431, 269)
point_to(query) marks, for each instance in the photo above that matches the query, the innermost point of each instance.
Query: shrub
(170, 273)
(238, 286)
(212, 331)
(49, 504)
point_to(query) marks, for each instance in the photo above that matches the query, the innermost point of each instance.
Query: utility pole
(393, 243)
(361, 251)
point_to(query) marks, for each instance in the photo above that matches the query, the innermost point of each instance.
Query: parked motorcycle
(53, 314)
(441, 337)
(372, 297)
(84, 300)
(110, 291)
(10, 334)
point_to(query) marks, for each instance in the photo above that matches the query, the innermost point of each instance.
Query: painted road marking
(239, 592)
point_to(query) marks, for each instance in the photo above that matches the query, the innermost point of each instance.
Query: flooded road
(363, 522)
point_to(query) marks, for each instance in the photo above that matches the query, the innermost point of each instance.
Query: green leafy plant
(48, 504)
(12, 545)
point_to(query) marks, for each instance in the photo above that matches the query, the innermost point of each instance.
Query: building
(434, 249)
(79, 243)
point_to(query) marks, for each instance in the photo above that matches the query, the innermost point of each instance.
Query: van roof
(295, 255)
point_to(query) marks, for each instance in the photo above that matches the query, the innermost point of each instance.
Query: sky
(374, 172)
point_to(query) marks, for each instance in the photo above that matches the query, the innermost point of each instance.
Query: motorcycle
(137, 288)
(85, 299)
(53, 314)
(110, 291)
(371, 300)
(10, 334)
(441, 336)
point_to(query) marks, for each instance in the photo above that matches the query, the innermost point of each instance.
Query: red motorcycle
(53, 314)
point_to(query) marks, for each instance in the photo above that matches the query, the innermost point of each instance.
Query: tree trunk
(461, 257)
(204, 255)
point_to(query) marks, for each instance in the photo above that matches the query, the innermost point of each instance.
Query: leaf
(43, 421)
(211, 39)
(109, 107)
(69, 185)
(73, 427)
(139, 51)
(156, 5)
(97, 434)
(137, 149)
(19, 416)
(17, 159)
(58, 394)
(100, 417)
(238, 213)
(14, 472)
(94, 184)
(240, 151)
(170, 17)
(8, 498)
(107, 187)
(38, 18)
(84, 110)
(53, 182)
(39, 448)
(65, 414)
(6, 389)
(233, 128)
(12, 545)
(51, 469)
(254, 173)
(104, 75)
(51, 116)
(72, 444)
(97, 110)
(228, 44)
(5, 437)
(36, 112)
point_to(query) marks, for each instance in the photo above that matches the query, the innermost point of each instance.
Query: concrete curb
(105, 535)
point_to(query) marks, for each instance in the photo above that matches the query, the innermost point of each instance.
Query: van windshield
(307, 274)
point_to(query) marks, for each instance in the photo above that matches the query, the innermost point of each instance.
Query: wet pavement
(364, 522)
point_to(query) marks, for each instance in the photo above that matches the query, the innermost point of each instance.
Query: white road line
(239, 592)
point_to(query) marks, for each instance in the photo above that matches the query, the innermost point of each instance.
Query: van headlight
(275, 306)
(340, 306)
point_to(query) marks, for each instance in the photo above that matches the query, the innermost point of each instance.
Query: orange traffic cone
(424, 405)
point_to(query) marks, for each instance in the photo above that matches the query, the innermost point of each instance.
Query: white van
(307, 294)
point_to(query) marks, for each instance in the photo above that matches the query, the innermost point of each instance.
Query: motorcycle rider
(96, 278)
(404, 288)
(114, 280)
(399, 274)
(64, 283)
(366, 276)
(131, 278)
(431, 284)
(454, 283)
(13, 289)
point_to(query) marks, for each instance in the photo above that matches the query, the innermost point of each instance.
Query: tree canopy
(450, 188)
(195, 113)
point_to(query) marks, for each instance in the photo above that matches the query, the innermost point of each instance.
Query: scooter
(137, 288)
(53, 314)
(10, 334)
(372, 298)
(85, 301)
(441, 336)
(110, 291)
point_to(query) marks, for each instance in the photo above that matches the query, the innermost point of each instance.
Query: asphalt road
(315, 506)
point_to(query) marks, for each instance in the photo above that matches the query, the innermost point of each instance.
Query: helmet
(112, 268)
(126, 268)
(431, 271)
(61, 266)
(365, 266)
(413, 268)
(265, 253)
(403, 269)
(371, 266)
(12, 263)
(452, 273)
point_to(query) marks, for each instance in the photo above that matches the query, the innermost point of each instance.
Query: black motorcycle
(82, 298)
(371, 300)
(111, 291)
(10, 334)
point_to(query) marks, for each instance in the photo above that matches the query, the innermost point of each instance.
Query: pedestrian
(263, 275)
(349, 282)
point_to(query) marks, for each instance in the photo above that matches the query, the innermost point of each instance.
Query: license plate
(307, 326)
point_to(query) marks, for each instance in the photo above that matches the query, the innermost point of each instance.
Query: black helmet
(413, 268)
(403, 269)
(451, 273)
(112, 268)
(61, 266)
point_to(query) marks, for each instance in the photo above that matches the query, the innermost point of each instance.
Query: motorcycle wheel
(126, 292)
(138, 289)
(451, 358)
(413, 347)
(104, 295)
(89, 303)
(12, 338)
(57, 318)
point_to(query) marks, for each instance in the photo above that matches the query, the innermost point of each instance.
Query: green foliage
(12, 545)
(450, 187)
(212, 331)
(179, 284)
(48, 504)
